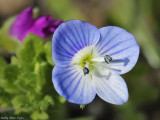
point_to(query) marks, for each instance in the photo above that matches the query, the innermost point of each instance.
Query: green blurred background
(140, 17)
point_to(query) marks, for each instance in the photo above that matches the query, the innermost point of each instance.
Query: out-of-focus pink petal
(41, 26)
(25, 24)
(22, 23)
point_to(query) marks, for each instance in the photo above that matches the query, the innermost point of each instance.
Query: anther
(107, 59)
(85, 70)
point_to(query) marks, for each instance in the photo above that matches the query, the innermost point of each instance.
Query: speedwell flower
(88, 61)
(25, 24)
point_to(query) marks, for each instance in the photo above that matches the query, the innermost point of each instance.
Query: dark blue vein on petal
(77, 40)
(105, 37)
(69, 84)
(64, 62)
(104, 87)
(122, 50)
(62, 48)
(61, 84)
(65, 71)
(82, 91)
(128, 57)
(88, 41)
(124, 61)
(63, 54)
(115, 45)
(102, 90)
(116, 94)
(82, 31)
(77, 33)
(87, 89)
(118, 70)
(92, 39)
(75, 88)
(65, 89)
(72, 42)
(65, 78)
(110, 40)
(64, 40)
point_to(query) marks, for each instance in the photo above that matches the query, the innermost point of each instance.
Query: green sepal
(11, 73)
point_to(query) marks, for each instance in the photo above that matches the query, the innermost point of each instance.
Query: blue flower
(88, 61)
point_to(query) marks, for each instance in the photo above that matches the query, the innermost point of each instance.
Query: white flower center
(88, 59)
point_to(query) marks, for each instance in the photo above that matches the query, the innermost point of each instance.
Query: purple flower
(25, 24)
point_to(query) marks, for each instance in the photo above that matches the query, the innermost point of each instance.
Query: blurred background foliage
(26, 87)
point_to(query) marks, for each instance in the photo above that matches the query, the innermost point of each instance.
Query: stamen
(98, 59)
(107, 59)
(86, 69)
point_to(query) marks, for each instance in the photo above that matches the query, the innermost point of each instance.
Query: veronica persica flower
(89, 61)
(25, 24)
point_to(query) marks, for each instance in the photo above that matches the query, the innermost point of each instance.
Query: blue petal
(121, 46)
(71, 84)
(112, 88)
(69, 38)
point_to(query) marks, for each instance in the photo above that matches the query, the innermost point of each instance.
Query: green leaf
(43, 71)
(5, 98)
(48, 52)
(2, 66)
(11, 73)
(32, 47)
(19, 101)
(39, 115)
(46, 102)
(27, 82)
